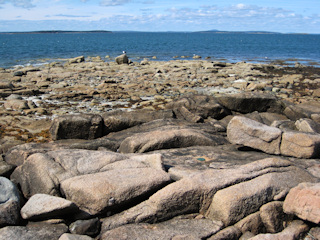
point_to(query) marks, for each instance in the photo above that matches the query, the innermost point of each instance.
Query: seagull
(124, 52)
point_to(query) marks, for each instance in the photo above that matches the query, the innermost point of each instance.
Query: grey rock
(84, 126)
(172, 229)
(295, 230)
(250, 102)
(89, 227)
(68, 236)
(43, 206)
(41, 232)
(165, 138)
(9, 203)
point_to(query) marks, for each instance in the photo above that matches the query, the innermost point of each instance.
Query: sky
(289, 16)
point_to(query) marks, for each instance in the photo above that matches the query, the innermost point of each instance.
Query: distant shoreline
(205, 31)
(56, 31)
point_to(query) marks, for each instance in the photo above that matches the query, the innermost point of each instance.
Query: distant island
(56, 31)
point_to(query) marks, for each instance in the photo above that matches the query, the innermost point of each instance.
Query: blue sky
(300, 16)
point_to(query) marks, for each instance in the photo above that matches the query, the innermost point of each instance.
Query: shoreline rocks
(164, 150)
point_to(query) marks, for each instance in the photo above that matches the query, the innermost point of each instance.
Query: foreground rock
(303, 201)
(9, 203)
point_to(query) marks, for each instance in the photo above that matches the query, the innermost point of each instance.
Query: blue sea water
(23, 49)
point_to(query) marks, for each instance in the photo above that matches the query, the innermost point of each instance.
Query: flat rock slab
(43, 206)
(304, 202)
(43, 232)
(173, 229)
(98, 192)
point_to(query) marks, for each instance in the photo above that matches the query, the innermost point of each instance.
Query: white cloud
(19, 3)
(113, 2)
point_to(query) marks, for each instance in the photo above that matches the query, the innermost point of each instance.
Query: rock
(116, 188)
(172, 229)
(253, 134)
(229, 233)
(251, 223)
(307, 125)
(120, 120)
(303, 201)
(273, 217)
(68, 236)
(9, 203)
(5, 169)
(303, 110)
(195, 193)
(122, 59)
(295, 230)
(84, 126)
(195, 108)
(16, 104)
(314, 232)
(250, 102)
(43, 206)
(76, 60)
(42, 232)
(247, 236)
(89, 227)
(169, 137)
(75, 172)
(300, 145)
(232, 204)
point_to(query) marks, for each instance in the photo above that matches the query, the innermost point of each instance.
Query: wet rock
(9, 203)
(84, 126)
(42, 206)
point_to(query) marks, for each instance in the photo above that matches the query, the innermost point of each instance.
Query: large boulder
(253, 134)
(250, 102)
(95, 180)
(197, 108)
(122, 59)
(168, 137)
(300, 144)
(84, 126)
(9, 203)
(304, 202)
(120, 120)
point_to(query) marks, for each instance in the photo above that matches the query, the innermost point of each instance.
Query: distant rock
(122, 59)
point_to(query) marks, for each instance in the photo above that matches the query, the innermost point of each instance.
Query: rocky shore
(159, 150)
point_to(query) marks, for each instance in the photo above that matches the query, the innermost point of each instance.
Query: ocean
(41, 48)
